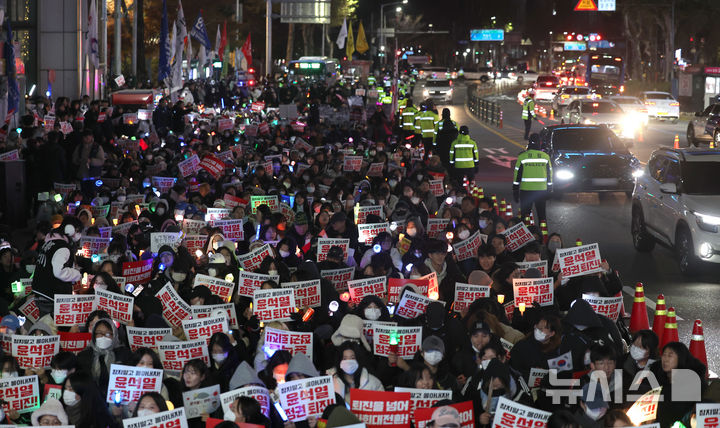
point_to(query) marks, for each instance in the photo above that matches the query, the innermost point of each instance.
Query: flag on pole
(202, 58)
(218, 41)
(91, 37)
(342, 36)
(199, 33)
(361, 45)
(223, 41)
(247, 50)
(180, 31)
(13, 91)
(350, 46)
(164, 62)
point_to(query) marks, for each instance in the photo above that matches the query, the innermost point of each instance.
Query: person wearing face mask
(103, 350)
(84, 403)
(62, 365)
(350, 371)
(383, 242)
(287, 251)
(554, 243)
(432, 356)
(149, 404)
(465, 362)
(372, 308)
(224, 359)
(55, 272)
(443, 264)
(643, 352)
(591, 407)
(541, 345)
(496, 382)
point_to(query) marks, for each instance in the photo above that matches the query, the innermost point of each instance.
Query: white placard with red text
(517, 237)
(352, 163)
(275, 304)
(34, 351)
(529, 290)
(468, 248)
(174, 307)
(204, 328)
(20, 393)
(307, 293)
(359, 288)
(409, 341)
(412, 305)
(232, 229)
(324, 245)
(424, 397)
(364, 212)
(306, 397)
(130, 382)
(72, 309)
(541, 265)
(465, 294)
(170, 419)
(368, 232)
(251, 281)
(217, 286)
(578, 261)
(436, 226)
(511, 414)
(142, 337)
(293, 341)
(339, 277)
(175, 354)
(607, 306)
(189, 166)
(259, 393)
(254, 258)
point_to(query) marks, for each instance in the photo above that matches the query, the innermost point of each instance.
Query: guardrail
(487, 111)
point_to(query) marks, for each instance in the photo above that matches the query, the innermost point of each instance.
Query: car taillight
(451, 83)
(675, 104)
(649, 103)
(564, 96)
(548, 83)
(643, 110)
(622, 88)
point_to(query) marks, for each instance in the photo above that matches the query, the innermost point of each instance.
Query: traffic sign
(606, 5)
(487, 35)
(586, 5)
(574, 46)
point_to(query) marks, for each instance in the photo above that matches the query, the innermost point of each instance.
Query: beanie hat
(351, 328)
(51, 407)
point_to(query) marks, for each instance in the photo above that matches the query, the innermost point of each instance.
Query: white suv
(676, 202)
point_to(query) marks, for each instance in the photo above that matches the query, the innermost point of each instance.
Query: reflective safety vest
(439, 127)
(533, 170)
(464, 152)
(371, 80)
(425, 124)
(528, 111)
(408, 118)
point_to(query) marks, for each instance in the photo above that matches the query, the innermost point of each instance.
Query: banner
(34, 351)
(468, 248)
(517, 237)
(363, 212)
(141, 337)
(424, 397)
(73, 342)
(174, 307)
(607, 306)
(423, 415)
(509, 414)
(408, 339)
(307, 293)
(274, 304)
(204, 328)
(204, 311)
(20, 393)
(412, 305)
(89, 245)
(138, 272)
(381, 408)
(189, 166)
(293, 341)
(251, 281)
(360, 288)
(170, 419)
(193, 227)
(254, 258)
(306, 397)
(465, 294)
(119, 306)
(541, 265)
(578, 261)
(232, 229)
(72, 309)
(436, 226)
(273, 202)
(201, 400)
(158, 239)
(368, 232)
(529, 290)
(324, 245)
(130, 382)
(352, 163)
(259, 393)
(395, 286)
(175, 354)
(339, 277)
(217, 286)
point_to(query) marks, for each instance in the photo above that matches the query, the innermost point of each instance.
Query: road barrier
(487, 111)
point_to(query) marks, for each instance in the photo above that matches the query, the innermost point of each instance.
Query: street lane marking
(648, 302)
(511, 141)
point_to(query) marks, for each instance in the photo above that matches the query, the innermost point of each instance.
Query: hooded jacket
(97, 361)
(244, 375)
(302, 364)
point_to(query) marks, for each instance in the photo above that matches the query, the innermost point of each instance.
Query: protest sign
(227, 309)
(201, 400)
(254, 258)
(89, 245)
(158, 239)
(12, 155)
(138, 272)
(259, 393)
(142, 337)
(578, 261)
(204, 328)
(189, 166)
(436, 226)
(274, 304)
(541, 265)
(324, 245)
(517, 237)
(163, 184)
(293, 341)
(217, 286)
(536, 377)
(34, 351)
(174, 307)
(30, 309)
(273, 202)
(363, 212)
(20, 393)
(175, 354)
(213, 166)
(251, 281)
(128, 383)
(408, 340)
(368, 232)
(465, 294)
(339, 277)
(381, 408)
(352, 163)
(424, 397)
(412, 305)
(73, 342)
(375, 169)
(646, 407)
(307, 293)
(395, 286)
(234, 201)
(369, 328)
(170, 419)
(123, 229)
(529, 290)
(119, 306)
(306, 397)
(193, 243)
(192, 227)
(510, 414)
(214, 214)
(232, 229)
(72, 309)
(359, 288)
(607, 306)
(468, 248)
(257, 106)
(707, 415)
(225, 124)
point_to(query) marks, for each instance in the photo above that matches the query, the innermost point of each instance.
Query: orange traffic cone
(671, 333)
(578, 242)
(639, 316)
(623, 315)
(495, 204)
(697, 345)
(503, 208)
(660, 317)
(509, 211)
(532, 218)
(552, 114)
(544, 231)
(676, 142)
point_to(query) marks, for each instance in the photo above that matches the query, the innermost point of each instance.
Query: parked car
(567, 94)
(661, 105)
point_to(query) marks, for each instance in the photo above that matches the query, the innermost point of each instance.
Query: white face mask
(482, 224)
(219, 358)
(349, 366)
(160, 211)
(433, 357)
(121, 198)
(30, 269)
(6, 375)
(392, 183)
(212, 271)
(415, 200)
(70, 398)
(272, 272)
(103, 342)
(372, 314)
(284, 254)
(59, 376)
(229, 415)
(540, 336)
(484, 364)
(145, 412)
(595, 414)
(464, 234)
(178, 276)
(411, 232)
(637, 353)
(310, 189)
(586, 359)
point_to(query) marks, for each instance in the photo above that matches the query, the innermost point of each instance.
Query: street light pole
(117, 57)
(382, 20)
(268, 37)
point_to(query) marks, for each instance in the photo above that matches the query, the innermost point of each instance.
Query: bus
(605, 73)
(313, 68)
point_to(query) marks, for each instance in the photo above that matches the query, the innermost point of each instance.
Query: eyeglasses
(99, 335)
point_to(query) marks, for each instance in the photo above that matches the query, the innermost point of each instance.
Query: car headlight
(638, 173)
(705, 250)
(588, 122)
(708, 223)
(564, 174)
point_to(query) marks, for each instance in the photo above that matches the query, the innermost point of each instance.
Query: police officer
(408, 118)
(528, 112)
(464, 155)
(425, 125)
(446, 131)
(55, 272)
(533, 179)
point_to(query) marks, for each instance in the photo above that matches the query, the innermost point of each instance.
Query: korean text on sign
(395, 286)
(138, 272)
(541, 265)
(259, 393)
(274, 304)
(339, 277)
(368, 232)
(252, 260)
(577, 261)
(174, 355)
(364, 212)
(35, 351)
(324, 245)
(273, 202)
(424, 397)
(412, 305)
(293, 341)
(129, 382)
(217, 286)
(72, 309)
(360, 288)
(408, 338)
(119, 306)
(468, 248)
(307, 293)
(142, 337)
(174, 307)
(204, 311)
(169, 419)
(465, 294)
(251, 281)
(517, 237)
(204, 328)
(529, 290)
(436, 226)
(381, 408)
(607, 306)
(306, 397)
(73, 342)
(510, 414)
(20, 393)
(232, 229)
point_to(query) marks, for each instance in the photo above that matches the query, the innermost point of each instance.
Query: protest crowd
(291, 255)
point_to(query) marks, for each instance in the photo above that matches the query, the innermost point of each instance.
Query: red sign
(586, 6)
(395, 285)
(213, 165)
(423, 415)
(381, 408)
(74, 342)
(138, 272)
